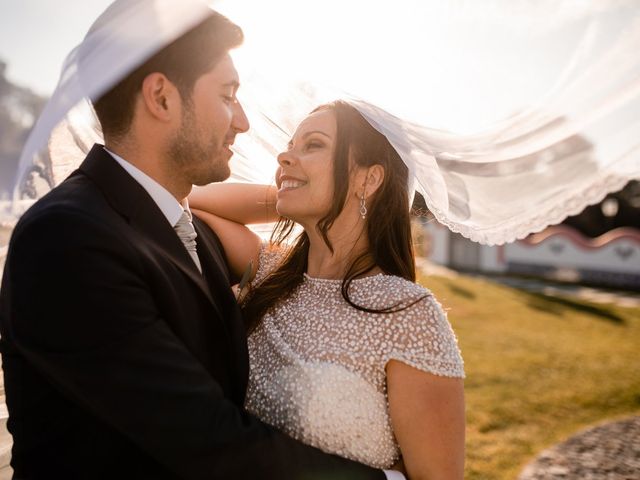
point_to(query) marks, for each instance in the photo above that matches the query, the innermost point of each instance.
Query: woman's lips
(290, 183)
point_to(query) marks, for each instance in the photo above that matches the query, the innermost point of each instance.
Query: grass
(538, 368)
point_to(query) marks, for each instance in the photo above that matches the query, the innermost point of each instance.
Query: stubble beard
(197, 162)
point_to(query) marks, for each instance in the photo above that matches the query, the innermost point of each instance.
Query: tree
(593, 221)
(19, 107)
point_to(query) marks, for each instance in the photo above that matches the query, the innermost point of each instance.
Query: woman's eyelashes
(229, 98)
(308, 145)
(313, 144)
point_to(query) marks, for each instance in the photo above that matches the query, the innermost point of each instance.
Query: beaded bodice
(318, 364)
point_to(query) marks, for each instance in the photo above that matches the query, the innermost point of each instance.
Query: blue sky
(36, 35)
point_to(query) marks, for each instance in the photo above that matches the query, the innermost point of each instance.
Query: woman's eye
(228, 98)
(314, 145)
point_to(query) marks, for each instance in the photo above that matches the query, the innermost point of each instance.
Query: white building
(559, 253)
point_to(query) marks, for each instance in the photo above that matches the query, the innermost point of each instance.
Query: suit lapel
(127, 197)
(215, 269)
(132, 201)
(210, 256)
(161, 235)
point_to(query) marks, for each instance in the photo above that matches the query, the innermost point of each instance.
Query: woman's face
(305, 175)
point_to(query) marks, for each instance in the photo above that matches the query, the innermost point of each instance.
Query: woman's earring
(363, 207)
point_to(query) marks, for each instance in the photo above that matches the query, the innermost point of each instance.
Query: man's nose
(240, 122)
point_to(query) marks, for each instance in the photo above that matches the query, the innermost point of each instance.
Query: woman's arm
(427, 415)
(241, 245)
(227, 208)
(243, 203)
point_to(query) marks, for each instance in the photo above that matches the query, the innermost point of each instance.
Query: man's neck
(151, 164)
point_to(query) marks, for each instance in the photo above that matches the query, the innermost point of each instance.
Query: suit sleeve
(94, 330)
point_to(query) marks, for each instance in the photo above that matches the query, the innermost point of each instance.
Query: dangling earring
(363, 207)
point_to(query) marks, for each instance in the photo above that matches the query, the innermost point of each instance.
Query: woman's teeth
(291, 184)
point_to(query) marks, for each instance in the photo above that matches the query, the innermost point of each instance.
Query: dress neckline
(339, 280)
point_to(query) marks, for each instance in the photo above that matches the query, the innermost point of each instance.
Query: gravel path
(607, 452)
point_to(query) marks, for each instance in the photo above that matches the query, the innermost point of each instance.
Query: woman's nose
(285, 158)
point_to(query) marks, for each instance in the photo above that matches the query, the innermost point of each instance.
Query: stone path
(606, 452)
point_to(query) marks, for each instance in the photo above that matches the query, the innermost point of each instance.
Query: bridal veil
(510, 114)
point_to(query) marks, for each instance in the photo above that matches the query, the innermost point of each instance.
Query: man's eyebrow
(232, 83)
(290, 144)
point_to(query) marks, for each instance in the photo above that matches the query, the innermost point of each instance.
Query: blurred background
(549, 326)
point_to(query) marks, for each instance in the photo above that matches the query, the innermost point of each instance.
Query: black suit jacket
(120, 359)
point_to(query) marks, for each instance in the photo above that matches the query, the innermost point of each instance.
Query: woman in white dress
(347, 352)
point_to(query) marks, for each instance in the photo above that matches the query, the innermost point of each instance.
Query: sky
(458, 65)
(473, 62)
(36, 35)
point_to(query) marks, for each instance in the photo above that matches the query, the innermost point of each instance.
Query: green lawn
(538, 369)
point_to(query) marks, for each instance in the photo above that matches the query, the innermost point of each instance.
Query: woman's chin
(283, 211)
(289, 216)
(289, 213)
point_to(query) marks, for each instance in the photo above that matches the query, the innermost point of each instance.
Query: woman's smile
(291, 185)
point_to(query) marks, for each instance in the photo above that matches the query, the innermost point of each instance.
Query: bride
(347, 352)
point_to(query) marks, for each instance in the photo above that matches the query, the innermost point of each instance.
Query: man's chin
(219, 174)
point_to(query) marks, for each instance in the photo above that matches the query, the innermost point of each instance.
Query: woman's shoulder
(416, 303)
(417, 330)
(269, 258)
(406, 287)
(384, 291)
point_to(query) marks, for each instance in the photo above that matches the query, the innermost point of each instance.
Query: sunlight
(466, 75)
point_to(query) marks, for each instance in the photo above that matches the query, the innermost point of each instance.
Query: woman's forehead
(323, 120)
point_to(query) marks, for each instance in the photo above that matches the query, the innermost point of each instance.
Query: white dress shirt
(167, 203)
(172, 210)
(394, 475)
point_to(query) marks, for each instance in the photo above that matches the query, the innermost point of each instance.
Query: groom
(123, 349)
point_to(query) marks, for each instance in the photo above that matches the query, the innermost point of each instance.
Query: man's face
(211, 119)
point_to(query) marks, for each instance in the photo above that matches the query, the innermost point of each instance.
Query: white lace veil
(543, 149)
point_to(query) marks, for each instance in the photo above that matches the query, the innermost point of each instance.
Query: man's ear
(373, 179)
(160, 97)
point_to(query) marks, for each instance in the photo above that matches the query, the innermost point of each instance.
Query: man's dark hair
(183, 61)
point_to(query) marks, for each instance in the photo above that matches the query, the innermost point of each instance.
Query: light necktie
(187, 234)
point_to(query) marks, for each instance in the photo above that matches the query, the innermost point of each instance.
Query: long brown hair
(387, 227)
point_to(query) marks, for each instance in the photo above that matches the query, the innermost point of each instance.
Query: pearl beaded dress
(318, 364)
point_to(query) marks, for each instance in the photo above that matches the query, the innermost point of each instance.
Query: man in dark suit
(123, 349)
